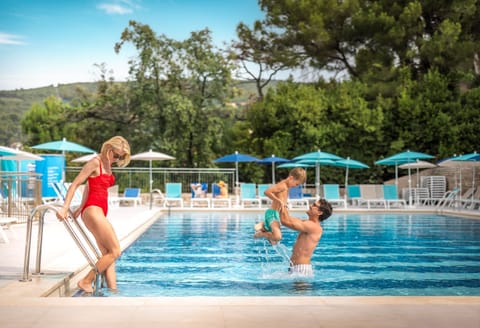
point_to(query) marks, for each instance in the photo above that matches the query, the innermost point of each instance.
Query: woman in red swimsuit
(98, 174)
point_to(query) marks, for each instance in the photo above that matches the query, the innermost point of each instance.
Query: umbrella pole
(237, 185)
(346, 185)
(409, 188)
(151, 182)
(273, 173)
(317, 182)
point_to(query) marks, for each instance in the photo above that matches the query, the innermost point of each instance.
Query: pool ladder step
(76, 231)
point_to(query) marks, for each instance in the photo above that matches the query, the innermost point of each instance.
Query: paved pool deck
(25, 304)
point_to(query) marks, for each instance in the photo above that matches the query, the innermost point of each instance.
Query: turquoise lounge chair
(390, 193)
(173, 194)
(261, 194)
(331, 192)
(248, 194)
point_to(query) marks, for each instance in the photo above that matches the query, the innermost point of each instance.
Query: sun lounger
(261, 194)
(296, 199)
(390, 193)
(217, 199)
(331, 192)
(173, 194)
(131, 195)
(199, 194)
(248, 195)
(372, 196)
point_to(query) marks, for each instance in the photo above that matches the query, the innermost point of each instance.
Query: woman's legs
(108, 244)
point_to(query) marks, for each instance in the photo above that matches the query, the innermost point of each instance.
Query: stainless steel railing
(75, 230)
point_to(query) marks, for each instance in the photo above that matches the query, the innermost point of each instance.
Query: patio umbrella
(84, 158)
(318, 158)
(403, 158)
(8, 153)
(418, 164)
(236, 158)
(472, 157)
(272, 160)
(64, 146)
(349, 164)
(151, 156)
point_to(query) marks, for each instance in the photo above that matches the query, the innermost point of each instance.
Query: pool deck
(22, 304)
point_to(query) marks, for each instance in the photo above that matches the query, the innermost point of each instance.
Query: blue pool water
(214, 254)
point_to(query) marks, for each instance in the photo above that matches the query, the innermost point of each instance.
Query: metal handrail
(41, 210)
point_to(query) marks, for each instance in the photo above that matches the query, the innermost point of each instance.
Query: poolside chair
(473, 202)
(331, 192)
(248, 195)
(61, 189)
(449, 199)
(217, 200)
(295, 197)
(390, 193)
(173, 194)
(199, 194)
(353, 194)
(372, 196)
(261, 194)
(131, 195)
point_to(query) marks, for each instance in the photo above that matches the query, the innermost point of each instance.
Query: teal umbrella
(349, 164)
(403, 158)
(64, 146)
(317, 158)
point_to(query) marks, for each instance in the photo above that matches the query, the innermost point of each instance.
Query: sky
(55, 42)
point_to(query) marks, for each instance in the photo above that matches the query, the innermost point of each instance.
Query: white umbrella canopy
(418, 164)
(151, 156)
(84, 158)
(8, 153)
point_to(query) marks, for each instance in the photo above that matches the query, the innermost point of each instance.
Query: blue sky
(50, 42)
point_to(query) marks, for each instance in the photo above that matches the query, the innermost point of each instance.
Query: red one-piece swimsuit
(98, 190)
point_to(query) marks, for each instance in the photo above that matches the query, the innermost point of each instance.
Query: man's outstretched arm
(290, 221)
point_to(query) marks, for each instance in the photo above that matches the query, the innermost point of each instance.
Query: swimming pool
(214, 254)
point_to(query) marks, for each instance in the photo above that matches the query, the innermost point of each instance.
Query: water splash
(284, 252)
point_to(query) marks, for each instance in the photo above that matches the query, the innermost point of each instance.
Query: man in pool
(309, 234)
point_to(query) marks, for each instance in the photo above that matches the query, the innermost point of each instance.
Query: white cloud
(114, 9)
(6, 38)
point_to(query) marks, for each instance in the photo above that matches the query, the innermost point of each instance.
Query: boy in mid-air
(278, 193)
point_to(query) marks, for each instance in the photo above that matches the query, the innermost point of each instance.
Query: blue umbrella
(272, 160)
(318, 158)
(63, 146)
(236, 158)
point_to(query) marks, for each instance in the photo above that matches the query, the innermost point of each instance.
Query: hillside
(15, 103)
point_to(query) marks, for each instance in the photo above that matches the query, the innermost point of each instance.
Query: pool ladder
(75, 230)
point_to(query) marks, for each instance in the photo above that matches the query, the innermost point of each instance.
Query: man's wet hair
(326, 208)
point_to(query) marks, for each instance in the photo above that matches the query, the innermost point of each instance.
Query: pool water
(214, 254)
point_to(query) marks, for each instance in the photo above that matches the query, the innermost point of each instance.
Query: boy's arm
(274, 190)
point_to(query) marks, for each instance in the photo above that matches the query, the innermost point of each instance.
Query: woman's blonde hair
(120, 144)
